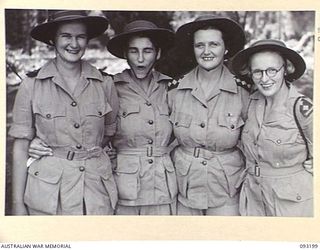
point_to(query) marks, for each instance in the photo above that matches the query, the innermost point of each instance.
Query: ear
(158, 54)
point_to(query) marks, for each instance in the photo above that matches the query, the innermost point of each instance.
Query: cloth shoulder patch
(174, 83)
(242, 83)
(305, 106)
(33, 73)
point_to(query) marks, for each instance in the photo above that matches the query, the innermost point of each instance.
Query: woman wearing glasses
(277, 136)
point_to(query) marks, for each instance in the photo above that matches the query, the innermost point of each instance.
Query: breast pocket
(281, 145)
(182, 126)
(230, 120)
(129, 118)
(94, 120)
(50, 120)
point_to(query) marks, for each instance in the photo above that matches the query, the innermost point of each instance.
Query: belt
(205, 153)
(148, 151)
(261, 169)
(72, 154)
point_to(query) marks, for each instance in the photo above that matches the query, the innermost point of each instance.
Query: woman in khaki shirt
(207, 116)
(72, 108)
(278, 177)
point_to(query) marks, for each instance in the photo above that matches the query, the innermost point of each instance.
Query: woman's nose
(140, 57)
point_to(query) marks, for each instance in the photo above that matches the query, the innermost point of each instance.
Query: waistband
(144, 151)
(72, 154)
(205, 153)
(261, 169)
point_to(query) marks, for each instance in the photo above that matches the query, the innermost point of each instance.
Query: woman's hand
(308, 165)
(111, 152)
(39, 148)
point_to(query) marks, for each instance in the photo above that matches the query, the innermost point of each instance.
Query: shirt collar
(226, 81)
(50, 70)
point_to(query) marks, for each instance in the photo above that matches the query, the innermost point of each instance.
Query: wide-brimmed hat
(44, 32)
(241, 59)
(233, 33)
(163, 37)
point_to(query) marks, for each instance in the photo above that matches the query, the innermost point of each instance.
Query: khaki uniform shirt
(144, 172)
(207, 129)
(73, 125)
(276, 183)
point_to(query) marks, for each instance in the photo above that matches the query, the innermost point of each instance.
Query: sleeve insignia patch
(306, 107)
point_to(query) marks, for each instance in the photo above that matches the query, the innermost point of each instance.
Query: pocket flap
(229, 120)
(130, 109)
(127, 164)
(183, 120)
(290, 193)
(48, 175)
(49, 111)
(279, 137)
(96, 109)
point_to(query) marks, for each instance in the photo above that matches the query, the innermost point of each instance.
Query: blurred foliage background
(23, 54)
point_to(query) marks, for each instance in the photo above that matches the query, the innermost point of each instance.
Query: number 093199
(309, 246)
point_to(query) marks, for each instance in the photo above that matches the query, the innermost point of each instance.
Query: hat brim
(232, 32)
(163, 37)
(96, 25)
(241, 59)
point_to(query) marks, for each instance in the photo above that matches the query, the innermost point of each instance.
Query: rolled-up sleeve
(23, 126)
(113, 101)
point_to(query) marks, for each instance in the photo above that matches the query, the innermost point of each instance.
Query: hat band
(67, 15)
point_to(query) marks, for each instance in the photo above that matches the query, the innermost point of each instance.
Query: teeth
(207, 58)
(73, 51)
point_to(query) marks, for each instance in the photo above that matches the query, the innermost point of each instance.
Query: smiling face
(71, 41)
(141, 55)
(267, 85)
(209, 48)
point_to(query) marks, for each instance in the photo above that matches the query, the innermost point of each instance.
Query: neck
(208, 75)
(141, 81)
(278, 97)
(67, 68)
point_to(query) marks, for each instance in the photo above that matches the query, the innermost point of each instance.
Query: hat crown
(61, 15)
(208, 17)
(139, 25)
(272, 42)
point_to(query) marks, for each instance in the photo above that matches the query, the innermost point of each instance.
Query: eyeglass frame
(266, 72)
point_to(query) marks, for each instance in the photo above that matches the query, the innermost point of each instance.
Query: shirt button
(150, 161)
(204, 163)
(232, 126)
(150, 122)
(150, 141)
(99, 113)
(76, 125)
(298, 197)
(148, 103)
(73, 104)
(176, 123)
(36, 173)
(78, 146)
(277, 164)
(202, 125)
(278, 141)
(124, 113)
(81, 169)
(48, 115)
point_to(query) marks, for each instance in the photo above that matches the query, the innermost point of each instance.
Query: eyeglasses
(271, 72)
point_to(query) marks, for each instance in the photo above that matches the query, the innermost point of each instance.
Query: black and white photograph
(131, 115)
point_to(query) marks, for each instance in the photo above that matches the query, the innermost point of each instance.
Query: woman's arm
(19, 176)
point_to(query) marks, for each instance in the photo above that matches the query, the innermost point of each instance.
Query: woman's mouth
(208, 58)
(73, 51)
